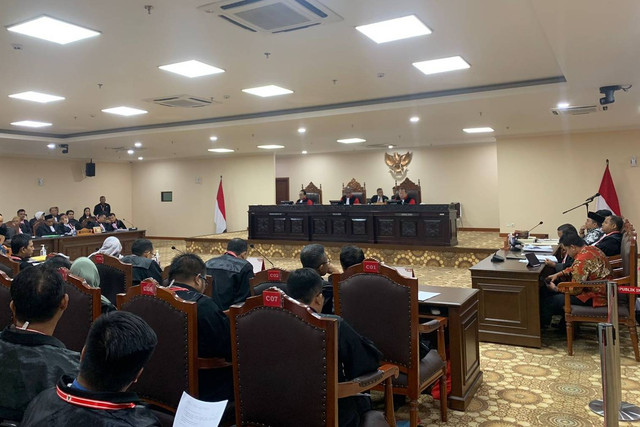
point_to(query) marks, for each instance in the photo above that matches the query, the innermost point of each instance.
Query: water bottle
(156, 256)
(43, 250)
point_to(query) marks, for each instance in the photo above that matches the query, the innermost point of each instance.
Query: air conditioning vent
(575, 111)
(272, 16)
(183, 101)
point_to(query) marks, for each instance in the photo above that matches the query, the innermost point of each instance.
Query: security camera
(608, 92)
(65, 148)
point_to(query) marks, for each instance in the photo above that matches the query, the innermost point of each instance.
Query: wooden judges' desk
(460, 307)
(85, 244)
(390, 224)
(509, 301)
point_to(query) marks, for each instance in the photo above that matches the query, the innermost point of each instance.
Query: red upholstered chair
(115, 276)
(382, 305)
(12, 267)
(173, 368)
(84, 307)
(625, 274)
(6, 318)
(267, 279)
(285, 366)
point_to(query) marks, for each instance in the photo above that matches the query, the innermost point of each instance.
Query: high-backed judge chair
(314, 193)
(84, 307)
(12, 267)
(413, 190)
(115, 276)
(626, 302)
(285, 366)
(360, 191)
(382, 305)
(174, 366)
(268, 278)
(6, 317)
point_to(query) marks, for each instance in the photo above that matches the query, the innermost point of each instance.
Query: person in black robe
(119, 344)
(404, 197)
(314, 256)
(114, 223)
(102, 208)
(144, 265)
(303, 199)
(48, 228)
(22, 250)
(357, 355)
(231, 273)
(349, 198)
(72, 220)
(187, 278)
(64, 227)
(612, 240)
(31, 360)
(24, 226)
(379, 197)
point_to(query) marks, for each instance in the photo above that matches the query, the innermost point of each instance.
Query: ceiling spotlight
(213, 138)
(390, 146)
(140, 158)
(51, 146)
(302, 130)
(138, 144)
(414, 119)
(563, 105)
(304, 151)
(130, 151)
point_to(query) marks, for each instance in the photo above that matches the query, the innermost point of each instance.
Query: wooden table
(426, 225)
(460, 307)
(85, 244)
(509, 301)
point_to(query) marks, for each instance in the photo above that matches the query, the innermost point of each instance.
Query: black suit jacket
(99, 209)
(610, 245)
(376, 199)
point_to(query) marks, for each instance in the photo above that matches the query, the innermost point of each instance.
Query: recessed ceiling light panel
(192, 68)
(351, 140)
(51, 146)
(137, 144)
(53, 30)
(220, 150)
(213, 138)
(304, 151)
(271, 146)
(130, 151)
(414, 119)
(42, 98)
(563, 105)
(124, 111)
(442, 65)
(265, 91)
(478, 130)
(302, 130)
(394, 29)
(31, 124)
(140, 158)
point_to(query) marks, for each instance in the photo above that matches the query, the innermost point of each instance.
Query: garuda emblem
(398, 164)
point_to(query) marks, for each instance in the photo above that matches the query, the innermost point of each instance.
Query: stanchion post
(607, 363)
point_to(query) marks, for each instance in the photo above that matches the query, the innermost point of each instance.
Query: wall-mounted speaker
(90, 169)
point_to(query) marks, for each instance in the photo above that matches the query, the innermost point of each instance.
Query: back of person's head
(304, 284)
(237, 246)
(571, 238)
(312, 256)
(37, 293)
(617, 221)
(185, 267)
(350, 255)
(565, 228)
(117, 347)
(140, 246)
(85, 268)
(58, 261)
(18, 242)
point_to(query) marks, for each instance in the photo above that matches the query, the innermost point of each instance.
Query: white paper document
(404, 271)
(531, 248)
(423, 296)
(257, 264)
(196, 413)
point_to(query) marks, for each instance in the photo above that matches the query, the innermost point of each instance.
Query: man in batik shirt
(589, 264)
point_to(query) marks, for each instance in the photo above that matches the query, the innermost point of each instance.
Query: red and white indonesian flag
(608, 197)
(220, 217)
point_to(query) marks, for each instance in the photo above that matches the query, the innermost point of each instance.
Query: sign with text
(274, 275)
(271, 298)
(148, 287)
(371, 266)
(629, 290)
(99, 259)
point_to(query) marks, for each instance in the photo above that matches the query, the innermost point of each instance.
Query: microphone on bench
(263, 255)
(133, 227)
(178, 250)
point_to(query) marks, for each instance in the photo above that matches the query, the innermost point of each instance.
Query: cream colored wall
(540, 177)
(64, 185)
(465, 173)
(246, 181)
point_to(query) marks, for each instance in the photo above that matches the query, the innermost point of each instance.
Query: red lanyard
(90, 403)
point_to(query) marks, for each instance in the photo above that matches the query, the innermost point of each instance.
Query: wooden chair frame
(189, 308)
(5, 282)
(13, 265)
(263, 277)
(358, 190)
(335, 390)
(312, 189)
(411, 187)
(630, 280)
(114, 262)
(414, 387)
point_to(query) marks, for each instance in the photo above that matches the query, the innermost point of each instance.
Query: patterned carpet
(522, 386)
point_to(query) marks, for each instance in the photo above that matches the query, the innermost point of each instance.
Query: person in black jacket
(117, 347)
(187, 278)
(379, 197)
(611, 241)
(144, 265)
(21, 250)
(102, 208)
(48, 228)
(231, 273)
(25, 227)
(357, 355)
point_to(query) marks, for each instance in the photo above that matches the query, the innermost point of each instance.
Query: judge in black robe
(48, 228)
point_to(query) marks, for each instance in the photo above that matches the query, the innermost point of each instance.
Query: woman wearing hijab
(85, 268)
(111, 246)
